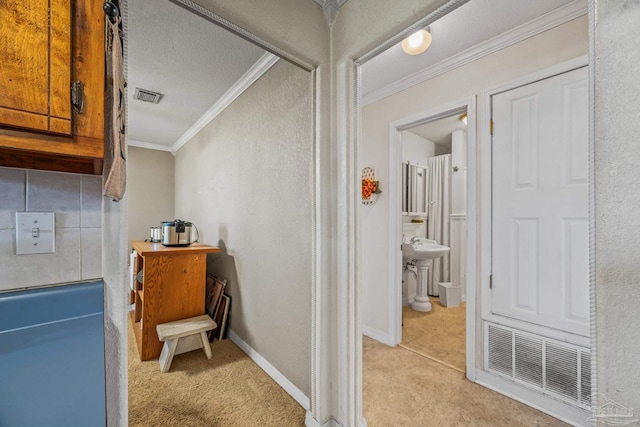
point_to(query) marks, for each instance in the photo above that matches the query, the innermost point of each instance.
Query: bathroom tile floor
(439, 334)
(404, 388)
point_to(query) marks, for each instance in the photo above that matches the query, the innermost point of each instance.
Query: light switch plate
(35, 233)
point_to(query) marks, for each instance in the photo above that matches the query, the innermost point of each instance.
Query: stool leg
(166, 356)
(205, 344)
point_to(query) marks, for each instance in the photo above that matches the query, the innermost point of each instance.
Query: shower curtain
(439, 198)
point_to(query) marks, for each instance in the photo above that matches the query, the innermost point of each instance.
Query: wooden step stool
(182, 336)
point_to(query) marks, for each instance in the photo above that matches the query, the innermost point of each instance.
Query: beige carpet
(403, 388)
(400, 388)
(439, 334)
(228, 390)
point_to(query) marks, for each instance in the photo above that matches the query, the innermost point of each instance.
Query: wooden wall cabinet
(45, 47)
(173, 288)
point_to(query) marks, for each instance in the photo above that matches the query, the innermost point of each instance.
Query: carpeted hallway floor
(227, 391)
(400, 388)
(439, 334)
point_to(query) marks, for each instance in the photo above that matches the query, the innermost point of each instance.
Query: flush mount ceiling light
(417, 42)
(463, 118)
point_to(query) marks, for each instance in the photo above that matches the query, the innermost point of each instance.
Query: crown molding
(148, 145)
(254, 73)
(330, 8)
(550, 20)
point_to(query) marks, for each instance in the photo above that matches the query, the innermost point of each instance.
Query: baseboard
(309, 421)
(560, 410)
(376, 335)
(312, 422)
(276, 375)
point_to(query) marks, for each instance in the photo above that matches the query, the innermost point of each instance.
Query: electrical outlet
(35, 233)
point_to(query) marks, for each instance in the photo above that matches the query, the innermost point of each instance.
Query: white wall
(76, 201)
(245, 180)
(457, 227)
(417, 149)
(459, 177)
(150, 185)
(617, 202)
(544, 50)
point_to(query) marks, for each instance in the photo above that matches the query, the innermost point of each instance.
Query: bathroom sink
(423, 249)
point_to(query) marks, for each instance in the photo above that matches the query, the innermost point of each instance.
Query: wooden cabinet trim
(54, 130)
(51, 144)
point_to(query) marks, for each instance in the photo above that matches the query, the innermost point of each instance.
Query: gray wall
(617, 201)
(245, 180)
(77, 203)
(150, 182)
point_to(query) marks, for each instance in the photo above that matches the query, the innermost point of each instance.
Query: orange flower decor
(369, 187)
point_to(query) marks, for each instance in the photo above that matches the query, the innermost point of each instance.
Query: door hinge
(491, 281)
(77, 96)
(491, 126)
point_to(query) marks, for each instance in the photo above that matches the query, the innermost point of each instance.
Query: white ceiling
(188, 59)
(439, 131)
(193, 62)
(471, 24)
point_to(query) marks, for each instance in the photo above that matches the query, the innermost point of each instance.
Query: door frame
(486, 188)
(465, 105)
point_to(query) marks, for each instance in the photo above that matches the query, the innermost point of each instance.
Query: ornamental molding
(330, 8)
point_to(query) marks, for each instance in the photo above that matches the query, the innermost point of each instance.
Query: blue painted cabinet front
(52, 357)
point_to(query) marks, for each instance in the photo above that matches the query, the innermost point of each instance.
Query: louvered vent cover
(543, 364)
(147, 95)
(529, 360)
(500, 350)
(562, 370)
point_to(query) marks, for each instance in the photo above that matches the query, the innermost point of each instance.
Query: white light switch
(35, 233)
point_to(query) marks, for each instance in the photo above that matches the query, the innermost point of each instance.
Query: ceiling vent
(147, 95)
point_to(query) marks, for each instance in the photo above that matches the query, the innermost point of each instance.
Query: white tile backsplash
(91, 255)
(77, 203)
(20, 271)
(57, 192)
(90, 201)
(12, 195)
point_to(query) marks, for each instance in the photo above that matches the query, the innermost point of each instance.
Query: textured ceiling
(470, 24)
(188, 59)
(194, 62)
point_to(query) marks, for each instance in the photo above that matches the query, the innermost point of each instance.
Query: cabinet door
(35, 73)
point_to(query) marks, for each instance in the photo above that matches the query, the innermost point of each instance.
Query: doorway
(227, 144)
(446, 229)
(478, 244)
(433, 209)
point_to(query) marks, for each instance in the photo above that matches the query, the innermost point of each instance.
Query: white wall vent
(528, 359)
(552, 367)
(147, 95)
(501, 350)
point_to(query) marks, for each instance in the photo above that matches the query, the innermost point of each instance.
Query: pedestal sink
(422, 251)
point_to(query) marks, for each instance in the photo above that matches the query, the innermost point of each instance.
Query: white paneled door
(540, 208)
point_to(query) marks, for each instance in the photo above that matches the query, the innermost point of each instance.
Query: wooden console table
(173, 288)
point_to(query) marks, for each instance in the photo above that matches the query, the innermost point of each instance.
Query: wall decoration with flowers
(370, 186)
